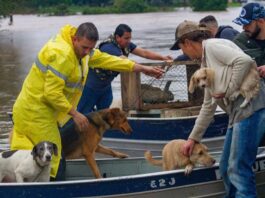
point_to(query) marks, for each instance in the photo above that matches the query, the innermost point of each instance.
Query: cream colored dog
(204, 78)
(173, 158)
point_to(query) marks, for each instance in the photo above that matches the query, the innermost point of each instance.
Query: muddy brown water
(20, 43)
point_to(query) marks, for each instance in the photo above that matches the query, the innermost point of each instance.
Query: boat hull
(131, 178)
(170, 128)
(136, 148)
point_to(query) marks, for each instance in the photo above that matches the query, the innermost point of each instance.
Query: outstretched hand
(156, 72)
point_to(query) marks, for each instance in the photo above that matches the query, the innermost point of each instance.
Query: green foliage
(94, 3)
(130, 6)
(208, 5)
(6, 7)
(65, 7)
(61, 10)
(160, 2)
(99, 10)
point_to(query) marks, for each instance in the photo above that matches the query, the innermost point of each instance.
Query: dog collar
(92, 121)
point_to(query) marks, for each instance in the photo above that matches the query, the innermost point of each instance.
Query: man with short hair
(97, 93)
(252, 39)
(53, 87)
(223, 31)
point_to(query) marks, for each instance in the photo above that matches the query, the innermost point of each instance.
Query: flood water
(20, 43)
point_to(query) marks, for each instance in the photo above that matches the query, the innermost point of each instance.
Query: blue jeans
(95, 99)
(239, 154)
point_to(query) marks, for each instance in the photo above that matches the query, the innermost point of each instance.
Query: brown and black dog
(87, 142)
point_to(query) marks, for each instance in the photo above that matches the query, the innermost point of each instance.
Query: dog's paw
(234, 96)
(121, 155)
(188, 169)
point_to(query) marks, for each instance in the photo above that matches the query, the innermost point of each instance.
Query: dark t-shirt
(261, 43)
(94, 80)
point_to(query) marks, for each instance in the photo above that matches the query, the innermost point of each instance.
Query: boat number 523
(162, 183)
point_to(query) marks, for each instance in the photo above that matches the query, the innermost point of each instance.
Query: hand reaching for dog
(156, 72)
(79, 119)
(188, 147)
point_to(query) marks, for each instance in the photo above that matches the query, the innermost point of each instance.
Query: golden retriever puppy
(173, 158)
(204, 78)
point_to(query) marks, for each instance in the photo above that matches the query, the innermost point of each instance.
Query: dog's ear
(192, 85)
(210, 75)
(114, 114)
(204, 146)
(34, 152)
(55, 149)
(115, 111)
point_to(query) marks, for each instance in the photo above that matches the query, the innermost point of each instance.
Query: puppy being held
(28, 165)
(173, 158)
(87, 142)
(205, 78)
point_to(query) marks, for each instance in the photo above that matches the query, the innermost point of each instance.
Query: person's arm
(150, 54)
(80, 120)
(156, 72)
(55, 80)
(202, 122)
(106, 61)
(54, 85)
(227, 55)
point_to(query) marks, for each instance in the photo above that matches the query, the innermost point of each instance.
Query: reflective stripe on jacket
(52, 87)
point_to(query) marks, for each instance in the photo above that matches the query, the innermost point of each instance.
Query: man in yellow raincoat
(53, 87)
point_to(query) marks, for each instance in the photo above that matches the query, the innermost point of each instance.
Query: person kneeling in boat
(246, 125)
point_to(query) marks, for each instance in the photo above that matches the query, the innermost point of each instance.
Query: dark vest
(251, 47)
(105, 74)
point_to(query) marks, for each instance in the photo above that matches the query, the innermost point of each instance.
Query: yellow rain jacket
(52, 87)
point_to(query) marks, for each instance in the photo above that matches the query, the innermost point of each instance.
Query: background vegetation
(67, 7)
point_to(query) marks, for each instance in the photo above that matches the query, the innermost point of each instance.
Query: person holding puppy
(246, 125)
(53, 87)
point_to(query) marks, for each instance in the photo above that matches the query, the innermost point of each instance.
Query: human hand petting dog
(79, 119)
(188, 147)
(261, 71)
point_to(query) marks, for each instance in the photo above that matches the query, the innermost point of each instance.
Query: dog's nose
(214, 161)
(203, 86)
(48, 157)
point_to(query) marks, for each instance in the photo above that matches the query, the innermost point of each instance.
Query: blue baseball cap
(250, 12)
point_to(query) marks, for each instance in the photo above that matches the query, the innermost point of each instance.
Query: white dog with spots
(26, 165)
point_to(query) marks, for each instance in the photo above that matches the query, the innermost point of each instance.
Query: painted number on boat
(162, 182)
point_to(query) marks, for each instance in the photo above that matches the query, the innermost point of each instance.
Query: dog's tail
(148, 156)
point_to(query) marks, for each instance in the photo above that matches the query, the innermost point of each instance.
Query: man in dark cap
(252, 39)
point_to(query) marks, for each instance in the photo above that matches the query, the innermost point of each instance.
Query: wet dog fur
(87, 143)
(204, 78)
(173, 158)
